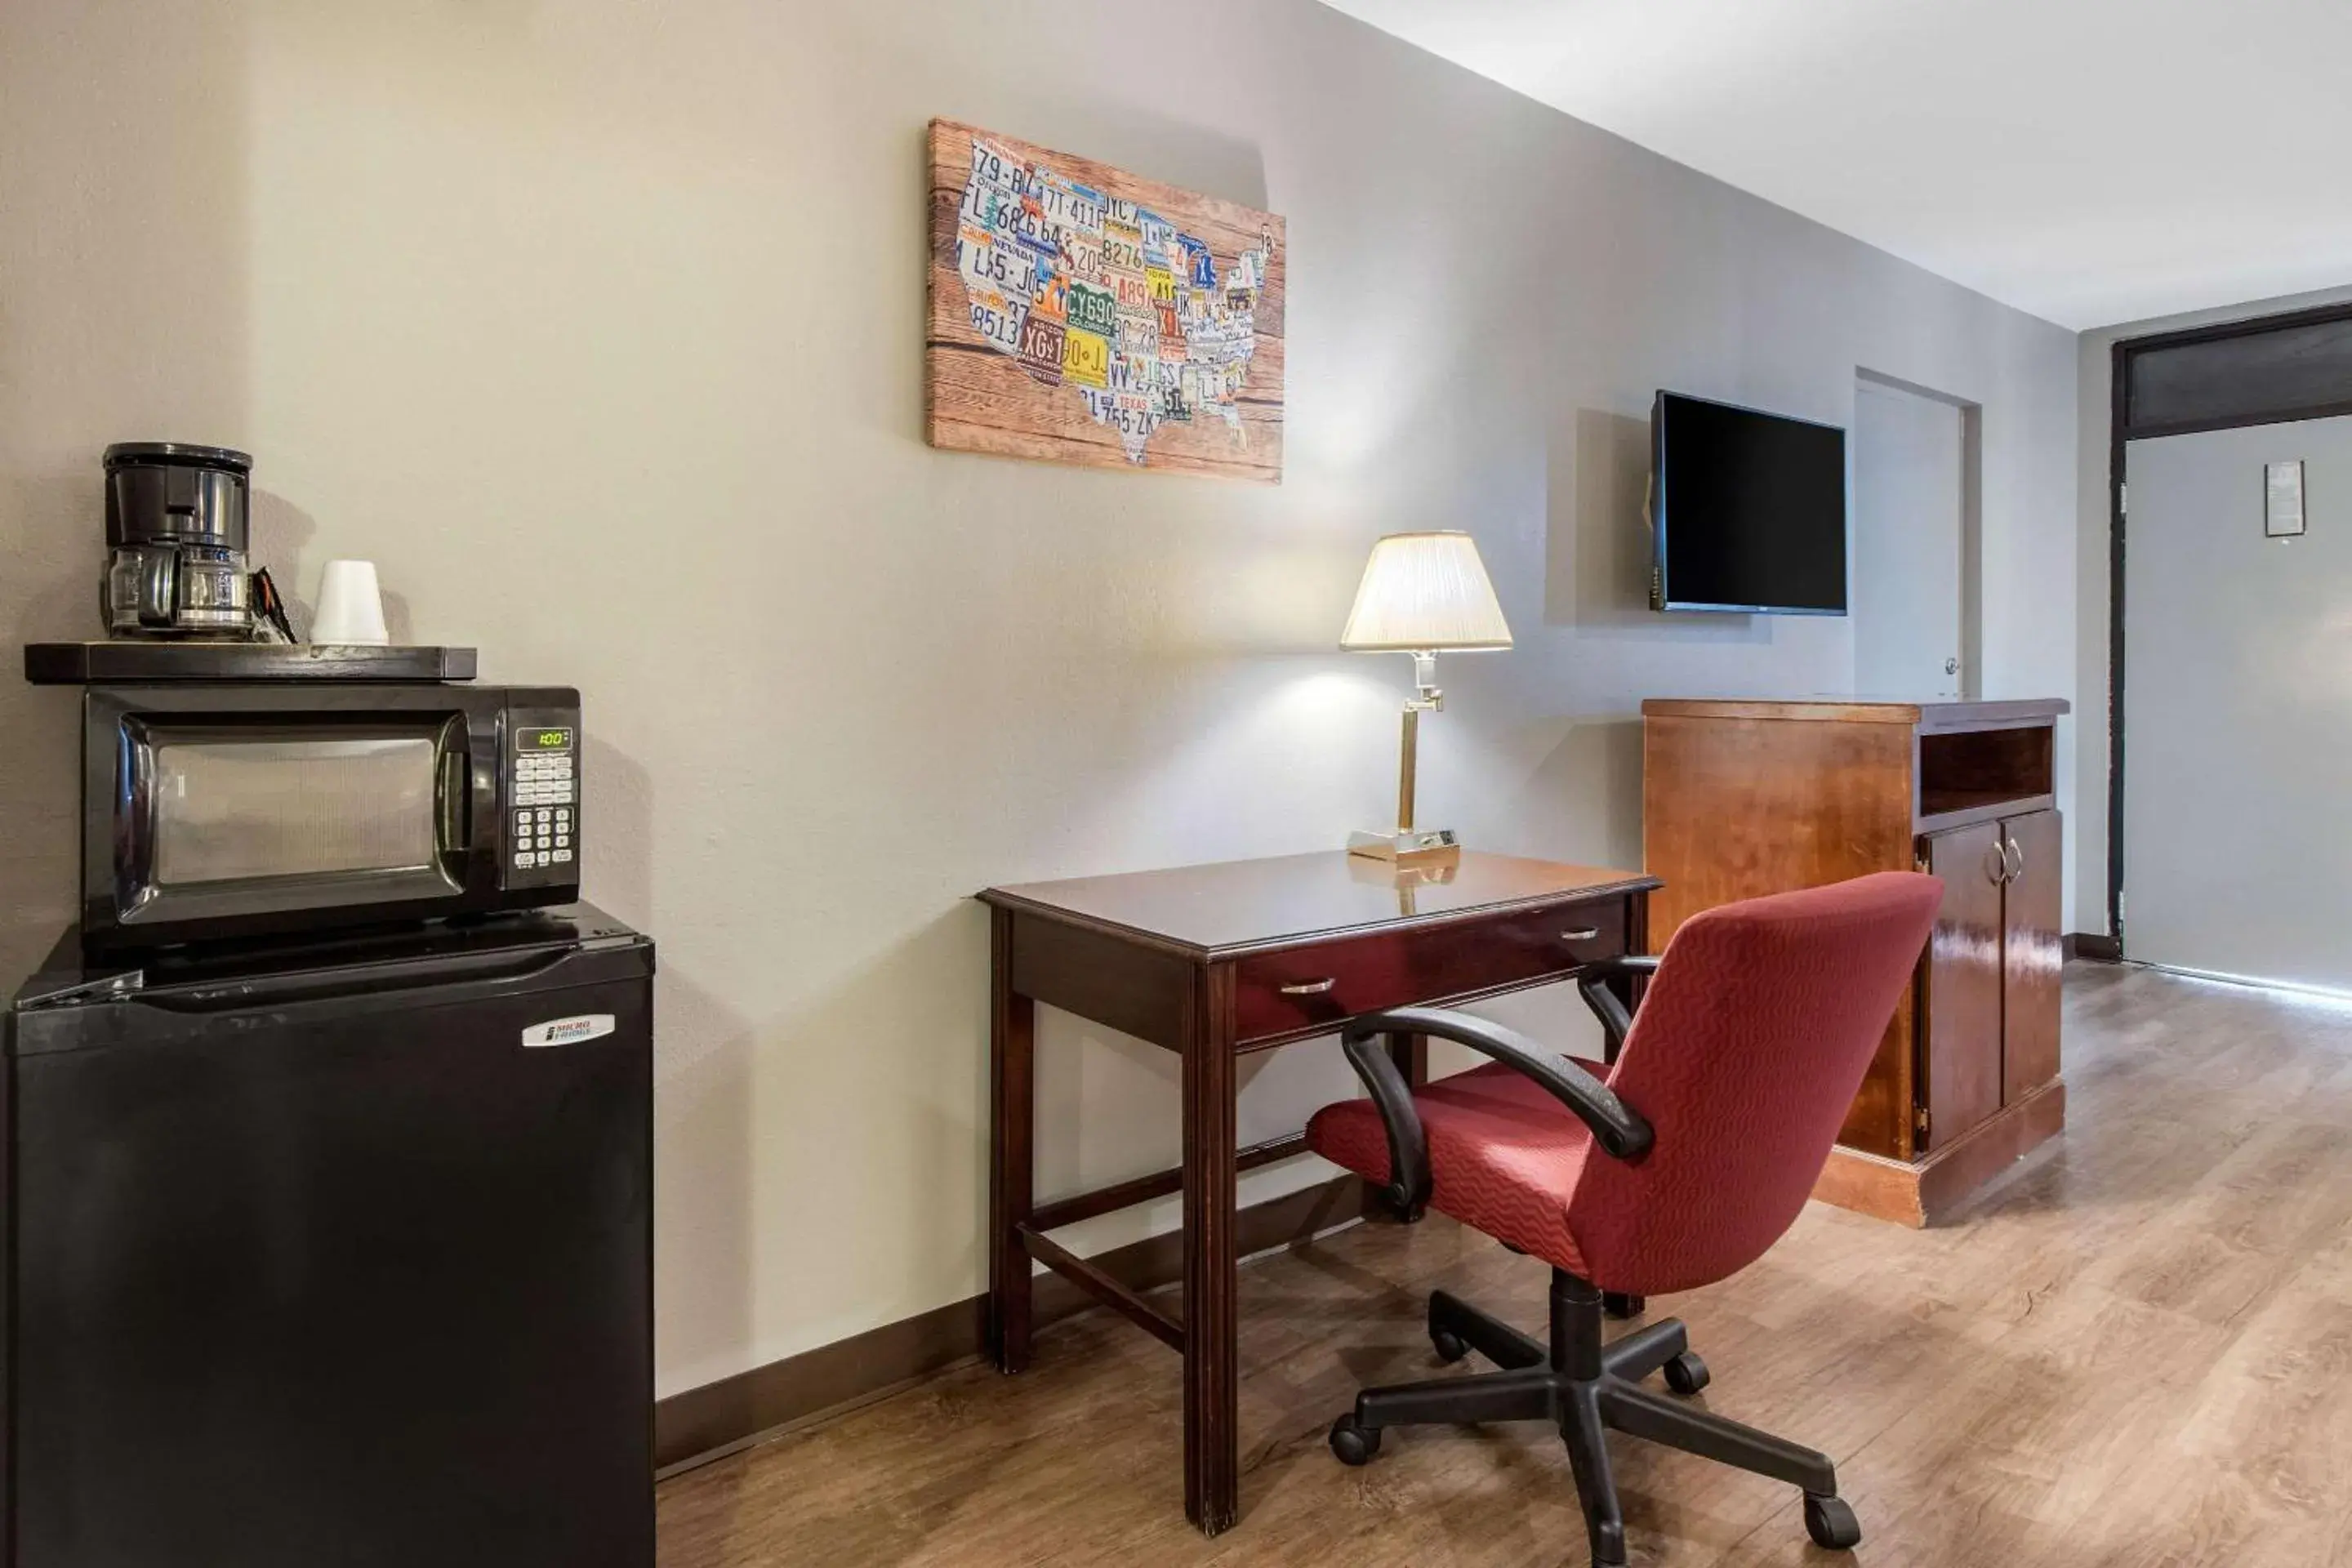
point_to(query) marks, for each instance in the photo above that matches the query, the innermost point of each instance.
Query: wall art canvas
(1083, 315)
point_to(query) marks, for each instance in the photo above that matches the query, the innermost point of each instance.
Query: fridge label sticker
(568, 1031)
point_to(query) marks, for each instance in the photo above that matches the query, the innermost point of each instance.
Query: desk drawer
(1303, 989)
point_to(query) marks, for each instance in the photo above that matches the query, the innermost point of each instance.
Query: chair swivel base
(1587, 1389)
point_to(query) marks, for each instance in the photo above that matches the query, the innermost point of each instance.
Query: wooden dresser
(1744, 798)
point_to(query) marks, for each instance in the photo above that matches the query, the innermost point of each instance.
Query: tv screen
(1748, 511)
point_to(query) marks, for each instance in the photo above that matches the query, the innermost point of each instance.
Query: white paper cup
(350, 606)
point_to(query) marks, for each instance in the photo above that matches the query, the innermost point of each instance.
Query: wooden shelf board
(1940, 810)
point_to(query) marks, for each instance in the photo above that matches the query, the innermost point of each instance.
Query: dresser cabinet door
(1961, 1044)
(2032, 953)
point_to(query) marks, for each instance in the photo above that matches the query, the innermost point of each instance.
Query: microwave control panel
(542, 801)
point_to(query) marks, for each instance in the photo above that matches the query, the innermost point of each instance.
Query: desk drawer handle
(1310, 988)
(1582, 933)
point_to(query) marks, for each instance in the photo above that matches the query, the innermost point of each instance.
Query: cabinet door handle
(1582, 933)
(2009, 848)
(1998, 871)
(1309, 987)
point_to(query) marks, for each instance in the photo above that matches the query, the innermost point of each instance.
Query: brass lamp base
(1408, 846)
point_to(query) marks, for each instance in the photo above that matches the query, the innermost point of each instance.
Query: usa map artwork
(1080, 314)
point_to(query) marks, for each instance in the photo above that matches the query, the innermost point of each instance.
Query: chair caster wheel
(1832, 1523)
(1356, 1445)
(1687, 1375)
(1620, 1306)
(1448, 1345)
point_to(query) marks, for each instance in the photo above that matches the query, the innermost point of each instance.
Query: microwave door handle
(139, 822)
(488, 776)
(456, 798)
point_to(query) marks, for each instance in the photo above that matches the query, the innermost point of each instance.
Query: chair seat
(1503, 1155)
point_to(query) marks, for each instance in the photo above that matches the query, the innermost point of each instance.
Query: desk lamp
(1421, 593)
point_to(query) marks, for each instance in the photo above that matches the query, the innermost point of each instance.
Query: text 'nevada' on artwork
(1080, 314)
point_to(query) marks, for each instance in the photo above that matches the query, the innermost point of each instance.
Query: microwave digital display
(543, 741)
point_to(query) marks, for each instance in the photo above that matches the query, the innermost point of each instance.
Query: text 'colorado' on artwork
(1082, 315)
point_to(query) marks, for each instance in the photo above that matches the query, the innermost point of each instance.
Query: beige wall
(2093, 578)
(598, 324)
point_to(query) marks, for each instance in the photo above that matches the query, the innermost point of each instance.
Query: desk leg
(1211, 1444)
(1011, 1171)
(1411, 1054)
(1629, 987)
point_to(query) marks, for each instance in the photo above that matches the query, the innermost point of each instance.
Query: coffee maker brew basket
(159, 492)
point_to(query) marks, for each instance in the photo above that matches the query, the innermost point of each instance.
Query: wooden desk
(1211, 962)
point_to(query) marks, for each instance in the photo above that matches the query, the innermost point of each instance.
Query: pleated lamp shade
(1422, 593)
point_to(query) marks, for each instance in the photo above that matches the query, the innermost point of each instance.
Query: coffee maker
(176, 525)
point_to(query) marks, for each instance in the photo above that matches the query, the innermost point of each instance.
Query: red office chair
(1729, 1088)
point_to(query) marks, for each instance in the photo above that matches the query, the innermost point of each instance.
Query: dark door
(1962, 1048)
(2033, 954)
(311, 1279)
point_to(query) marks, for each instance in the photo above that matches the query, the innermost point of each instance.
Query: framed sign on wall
(1080, 314)
(2283, 499)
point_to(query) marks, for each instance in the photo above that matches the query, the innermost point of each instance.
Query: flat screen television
(1748, 511)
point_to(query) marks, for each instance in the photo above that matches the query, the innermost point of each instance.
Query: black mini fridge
(334, 1255)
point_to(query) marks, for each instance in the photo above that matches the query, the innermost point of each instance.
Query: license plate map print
(1082, 315)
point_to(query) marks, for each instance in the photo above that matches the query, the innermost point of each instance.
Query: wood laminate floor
(2137, 1352)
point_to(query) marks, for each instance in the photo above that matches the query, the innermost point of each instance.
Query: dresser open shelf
(1969, 775)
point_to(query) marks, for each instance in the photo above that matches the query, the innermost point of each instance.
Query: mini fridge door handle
(277, 990)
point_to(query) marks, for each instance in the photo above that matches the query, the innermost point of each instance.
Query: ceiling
(2090, 161)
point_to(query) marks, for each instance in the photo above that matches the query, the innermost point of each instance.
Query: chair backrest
(1746, 1053)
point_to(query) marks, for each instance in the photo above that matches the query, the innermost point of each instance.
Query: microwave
(235, 810)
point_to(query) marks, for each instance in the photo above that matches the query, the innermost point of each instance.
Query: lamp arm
(1424, 680)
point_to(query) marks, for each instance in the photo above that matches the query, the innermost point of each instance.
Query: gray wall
(2095, 404)
(598, 326)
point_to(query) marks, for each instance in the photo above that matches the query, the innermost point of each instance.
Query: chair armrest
(1617, 1127)
(1408, 1188)
(1593, 984)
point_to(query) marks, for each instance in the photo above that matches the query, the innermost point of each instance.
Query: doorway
(2232, 649)
(2240, 706)
(1915, 556)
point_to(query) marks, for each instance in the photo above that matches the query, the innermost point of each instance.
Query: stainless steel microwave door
(233, 810)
